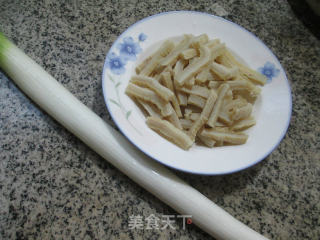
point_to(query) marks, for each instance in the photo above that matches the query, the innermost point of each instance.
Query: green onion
(4, 46)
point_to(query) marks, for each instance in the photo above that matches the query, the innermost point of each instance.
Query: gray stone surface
(54, 187)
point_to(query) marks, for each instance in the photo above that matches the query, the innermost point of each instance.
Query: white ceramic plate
(272, 109)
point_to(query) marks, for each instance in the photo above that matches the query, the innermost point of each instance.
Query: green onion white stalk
(57, 101)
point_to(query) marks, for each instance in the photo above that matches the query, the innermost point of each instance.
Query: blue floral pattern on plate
(269, 70)
(128, 51)
(116, 63)
(142, 37)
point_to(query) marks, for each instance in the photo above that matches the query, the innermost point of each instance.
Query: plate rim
(209, 173)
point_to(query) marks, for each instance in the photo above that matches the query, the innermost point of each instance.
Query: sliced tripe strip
(253, 89)
(242, 112)
(244, 124)
(186, 123)
(173, 118)
(224, 114)
(219, 124)
(252, 75)
(239, 84)
(209, 142)
(202, 76)
(209, 103)
(187, 113)
(229, 95)
(212, 43)
(229, 137)
(170, 132)
(196, 101)
(157, 77)
(217, 50)
(195, 67)
(229, 60)
(160, 69)
(194, 116)
(182, 98)
(189, 53)
(221, 129)
(214, 84)
(215, 76)
(165, 48)
(169, 69)
(174, 54)
(151, 111)
(203, 118)
(235, 103)
(165, 79)
(227, 99)
(243, 93)
(166, 110)
(190, 82)
(225, 60)
(178, 67)
(193, 60)
(149, 96)
(143, 64)
(219, 144)
(164, 92)
(167, 82)
(200, 40)
(196, 90)
(210, 76)
(176, 106)
(217, 106)
(224, 72)
(224, 118)
(196, 126)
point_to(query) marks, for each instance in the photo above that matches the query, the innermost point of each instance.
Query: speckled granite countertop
(52, 186)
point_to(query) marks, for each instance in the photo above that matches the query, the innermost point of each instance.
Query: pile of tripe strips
(196, 91)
